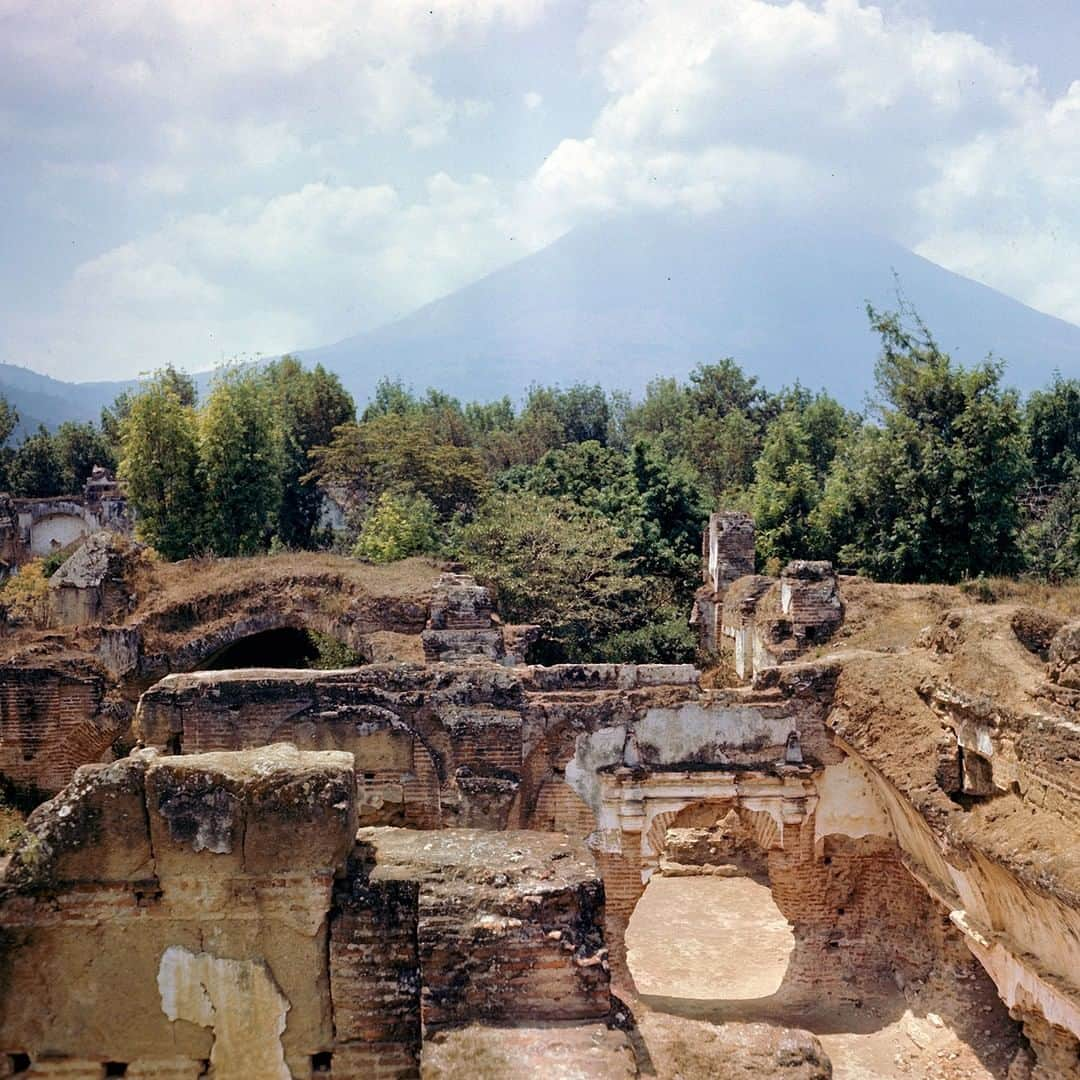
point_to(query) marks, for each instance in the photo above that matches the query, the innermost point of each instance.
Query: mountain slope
(622, 302)
(39, 399)
(625, 301)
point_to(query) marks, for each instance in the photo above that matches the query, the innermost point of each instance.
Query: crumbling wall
(222, 915)
(51, 722)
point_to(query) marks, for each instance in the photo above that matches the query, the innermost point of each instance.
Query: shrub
(400, 525)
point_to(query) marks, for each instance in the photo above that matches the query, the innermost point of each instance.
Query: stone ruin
(33, 527)
(767, 621)
(361, 873)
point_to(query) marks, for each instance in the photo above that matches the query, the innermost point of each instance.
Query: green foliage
(160, 468)
(1051, 539)
(715, 424)
(401, 452)
(309, 406)
(24, 596)
(667, 639)
(1052, 418)
(36, 468)
(80, 447)
(932, 494)
(556, 564)
(331, 654)
(240, 463)
(789, 475)
(401, 524)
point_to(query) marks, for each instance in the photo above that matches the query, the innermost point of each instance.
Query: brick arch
(200, 651)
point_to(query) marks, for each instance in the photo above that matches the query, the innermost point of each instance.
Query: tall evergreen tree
(240, 454)
(160, 467)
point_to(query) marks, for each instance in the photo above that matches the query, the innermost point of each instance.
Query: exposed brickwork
(51, 723)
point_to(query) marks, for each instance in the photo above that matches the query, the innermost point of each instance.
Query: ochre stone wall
(222, 913)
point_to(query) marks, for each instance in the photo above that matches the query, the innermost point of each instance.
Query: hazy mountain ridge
(623, 302)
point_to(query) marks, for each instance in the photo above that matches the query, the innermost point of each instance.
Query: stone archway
(707, 925)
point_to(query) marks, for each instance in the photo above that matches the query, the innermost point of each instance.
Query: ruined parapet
(738, 619)
(53, 720)
(462, 623)
(90, 587)
(10, 536)
(727, 554)
(1064, 657)
(223, 917)
(773, 622)
(509, 924)
(729, 548)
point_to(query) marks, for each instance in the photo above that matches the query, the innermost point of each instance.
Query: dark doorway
(286, 647)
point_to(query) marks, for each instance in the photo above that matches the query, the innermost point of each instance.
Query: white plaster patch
(848, 803)
(691, 732)
(593, 752)
(238, 1000)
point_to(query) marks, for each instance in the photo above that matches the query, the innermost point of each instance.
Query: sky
(189, 181)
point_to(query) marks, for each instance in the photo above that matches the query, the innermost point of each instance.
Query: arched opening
(742, 924)
(707, 926)
(283, 647)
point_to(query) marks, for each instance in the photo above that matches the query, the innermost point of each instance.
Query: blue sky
(191, 180)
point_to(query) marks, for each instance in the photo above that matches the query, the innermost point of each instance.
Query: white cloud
(261, 277)
(250, 81)
(742, 104)
(532, 100)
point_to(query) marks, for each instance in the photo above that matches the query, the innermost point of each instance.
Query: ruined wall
(51, 722)
(227, 902)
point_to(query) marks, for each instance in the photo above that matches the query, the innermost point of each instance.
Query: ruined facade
(446, 839)
(30, 528)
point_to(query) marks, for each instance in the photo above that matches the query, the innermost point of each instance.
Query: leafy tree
(36, 469)
(790, 473)
(113, 416)
(1051, 540)
(652, 503)
(399, 525)
(581, 413)
(729, 415)
(240, 457)
(555, 564)
(662, 418)
(932, 493)
(309, 406)
(1053, 424)
(80, 447)
(160, 468)
(401, 453)
(9, 421)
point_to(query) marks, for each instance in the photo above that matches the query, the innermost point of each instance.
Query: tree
(160, 467)
(1051, 540)
(931, 493)
(80, 447)
(790, 473)
(399, 525)
(309, 406)
(401, 453)
(9, 421)
(554, 564)
(36, 469)
(1052, 417)
(240, 456)
(113, 416)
